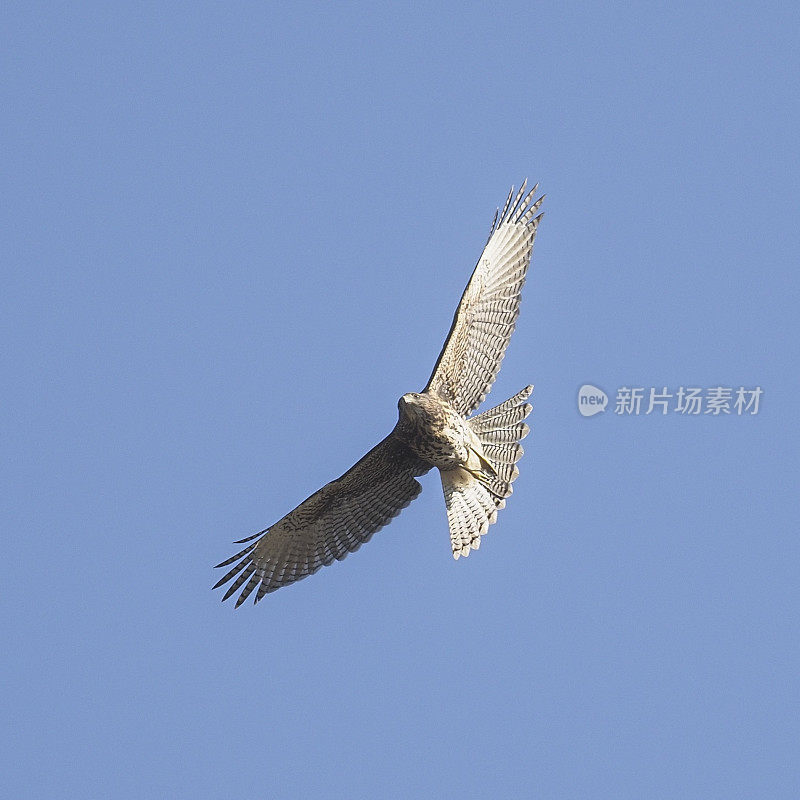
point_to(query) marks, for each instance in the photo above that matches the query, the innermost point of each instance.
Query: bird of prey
(476, 455)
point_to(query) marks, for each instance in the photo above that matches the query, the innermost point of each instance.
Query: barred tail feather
(473, 500)
(500, 430)
(471, 508)
(508, 413)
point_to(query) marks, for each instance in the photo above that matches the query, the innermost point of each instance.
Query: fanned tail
(474, 500)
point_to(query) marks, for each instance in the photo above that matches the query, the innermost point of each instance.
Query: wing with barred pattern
(331, 523)
(486, 316)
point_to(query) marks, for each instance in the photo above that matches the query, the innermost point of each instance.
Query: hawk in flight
(476, 455)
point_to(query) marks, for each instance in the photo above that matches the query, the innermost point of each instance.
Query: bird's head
(416, 407)
(408, 404)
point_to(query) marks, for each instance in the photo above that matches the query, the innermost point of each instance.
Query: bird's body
(476, 455)
(433, 430)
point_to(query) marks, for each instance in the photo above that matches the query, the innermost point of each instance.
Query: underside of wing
(327, 526)
(486, 316)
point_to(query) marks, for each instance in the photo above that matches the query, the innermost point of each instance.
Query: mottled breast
(433, 430)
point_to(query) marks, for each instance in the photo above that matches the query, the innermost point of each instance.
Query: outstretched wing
(331, 523)
(485, 317)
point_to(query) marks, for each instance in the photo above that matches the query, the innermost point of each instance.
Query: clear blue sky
(233, 235)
